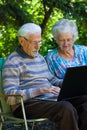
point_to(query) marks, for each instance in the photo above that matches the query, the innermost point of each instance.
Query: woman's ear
(21, 40)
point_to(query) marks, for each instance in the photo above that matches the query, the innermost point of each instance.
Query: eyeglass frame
(33, 42)
(69, 41)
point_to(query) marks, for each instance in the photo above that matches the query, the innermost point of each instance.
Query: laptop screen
(74, 83)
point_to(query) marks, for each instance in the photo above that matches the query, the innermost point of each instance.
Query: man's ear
(21, 40)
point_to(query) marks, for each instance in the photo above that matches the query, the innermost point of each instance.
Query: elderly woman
(67, 55)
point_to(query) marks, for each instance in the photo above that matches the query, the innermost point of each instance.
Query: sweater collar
(21, 52)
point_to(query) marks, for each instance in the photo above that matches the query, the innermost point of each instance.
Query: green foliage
(7, 42)
(14, 13)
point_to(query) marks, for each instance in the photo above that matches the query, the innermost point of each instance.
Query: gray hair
(29, 28)
(65, 26)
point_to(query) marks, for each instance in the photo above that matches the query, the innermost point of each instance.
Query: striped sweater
(23, 74)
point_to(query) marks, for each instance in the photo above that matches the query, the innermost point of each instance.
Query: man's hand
(51, 89)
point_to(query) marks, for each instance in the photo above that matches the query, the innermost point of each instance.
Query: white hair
(29, 28)
(65, 26)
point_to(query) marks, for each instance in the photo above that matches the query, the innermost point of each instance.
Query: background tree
(14, 13)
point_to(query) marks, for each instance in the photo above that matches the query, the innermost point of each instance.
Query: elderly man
(25, 72)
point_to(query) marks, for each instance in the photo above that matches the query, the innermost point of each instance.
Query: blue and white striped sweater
(21, 75)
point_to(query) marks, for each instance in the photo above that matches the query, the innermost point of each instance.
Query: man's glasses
(33, 42)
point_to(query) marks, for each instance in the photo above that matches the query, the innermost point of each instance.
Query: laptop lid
(74, 83)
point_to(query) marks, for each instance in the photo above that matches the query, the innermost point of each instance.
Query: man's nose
(37, 45)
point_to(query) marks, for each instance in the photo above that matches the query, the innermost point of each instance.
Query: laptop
(74, 83)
